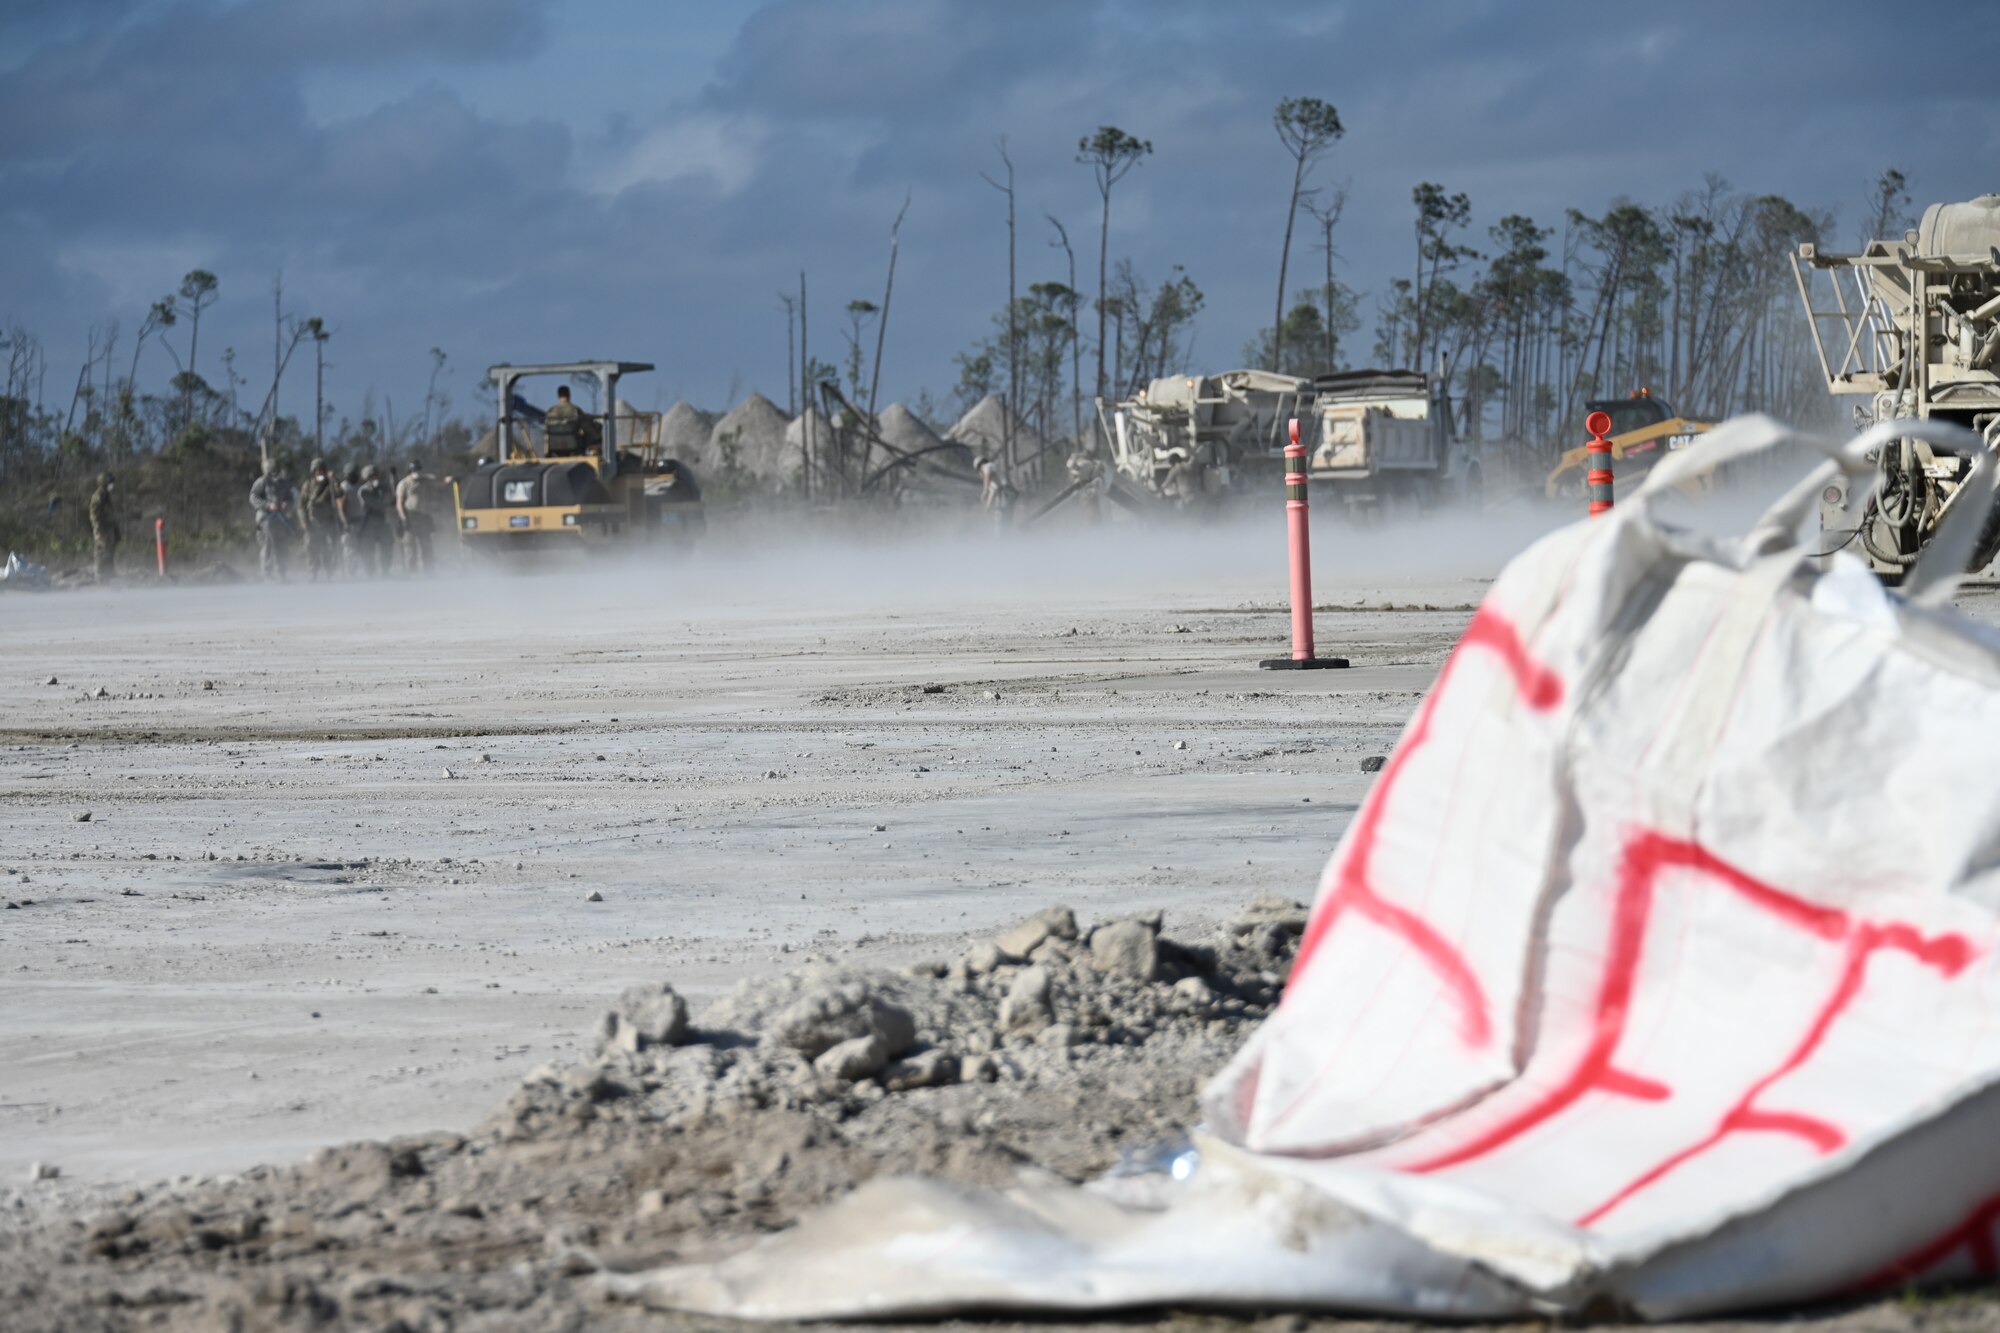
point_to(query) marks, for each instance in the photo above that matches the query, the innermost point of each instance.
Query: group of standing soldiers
(346, 524)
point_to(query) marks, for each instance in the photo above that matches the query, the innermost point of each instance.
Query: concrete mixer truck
(1911, 328)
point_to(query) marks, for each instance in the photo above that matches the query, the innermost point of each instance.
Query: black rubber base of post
(1308, 664)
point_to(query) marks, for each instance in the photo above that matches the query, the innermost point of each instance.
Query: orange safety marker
(160, 544)
(1597, 481)
(1299, 531)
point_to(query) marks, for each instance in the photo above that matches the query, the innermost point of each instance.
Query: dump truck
(1383, 439)
(1375, 438)
(1644, 430)
(596, 481)
(1911, 327)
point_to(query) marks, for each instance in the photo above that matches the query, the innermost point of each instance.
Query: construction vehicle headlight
(569, 520)
(518, 521)
(1831, 495)
(469, 524)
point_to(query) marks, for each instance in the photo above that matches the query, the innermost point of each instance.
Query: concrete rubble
(1054, 1045)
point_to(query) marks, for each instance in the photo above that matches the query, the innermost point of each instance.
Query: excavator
(1644, 429)
(598, 480)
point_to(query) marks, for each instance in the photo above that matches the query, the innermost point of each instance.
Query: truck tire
(1988, 544)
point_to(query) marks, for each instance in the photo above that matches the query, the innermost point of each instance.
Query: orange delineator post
(160, 544)
(1298, 530)
(1597, 481)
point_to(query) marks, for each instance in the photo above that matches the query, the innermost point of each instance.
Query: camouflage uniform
(271, 500)
(414, 499)
(562, 428)
(996, 494)
(321, 521)
(376, 534)
(104, 530)
(352, 506)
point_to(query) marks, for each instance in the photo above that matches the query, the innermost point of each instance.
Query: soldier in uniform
(271, 500)
(352, 507)
(104, 530)
(318, 506)
(376, 539)
(996, 494)
(415, 496)
(563, 424)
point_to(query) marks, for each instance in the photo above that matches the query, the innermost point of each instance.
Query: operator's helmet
(104, 479)
(319, 465)
(370, 472)
(271, 469)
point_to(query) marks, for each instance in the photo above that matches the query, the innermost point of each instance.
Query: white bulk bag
(1659, 967)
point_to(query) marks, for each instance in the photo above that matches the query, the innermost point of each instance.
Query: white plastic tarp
(1659, 969)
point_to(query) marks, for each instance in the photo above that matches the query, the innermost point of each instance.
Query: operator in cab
(563, 425)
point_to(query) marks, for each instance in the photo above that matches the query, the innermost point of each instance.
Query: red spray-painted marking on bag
(1646, 856)
(1355, 891)
(1974, 1235)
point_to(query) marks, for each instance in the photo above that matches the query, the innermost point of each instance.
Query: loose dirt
(429, 947)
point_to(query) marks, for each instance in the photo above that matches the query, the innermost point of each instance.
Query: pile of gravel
(1046, 1001)
(749, 445)
(983, 430)
(938, 476)
(684, 435)
(1052, 1046)
(824, 443)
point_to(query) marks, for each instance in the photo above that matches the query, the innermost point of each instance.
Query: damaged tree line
(1690, 297)
(187, 437)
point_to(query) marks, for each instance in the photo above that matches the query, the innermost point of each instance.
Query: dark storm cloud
(453, 195)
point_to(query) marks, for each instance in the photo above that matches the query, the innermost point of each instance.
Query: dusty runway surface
(313, 896)
(334, 878)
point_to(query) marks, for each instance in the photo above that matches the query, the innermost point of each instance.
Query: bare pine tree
(1111, 154)
(1308, 128)
(197, 294)
(1013, 318)
(1075, 337)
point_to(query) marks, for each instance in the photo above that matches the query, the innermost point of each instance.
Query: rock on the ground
(925, 1069)
(1129, 948)
(1272, 909)
(986, 958)
(1030, 1002)
(646, 1015)
(853, 1059)
(824, 1018)
(1049, 923)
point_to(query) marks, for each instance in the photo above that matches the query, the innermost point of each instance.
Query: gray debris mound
(1045, 999)
(684, 434)
(749, 443)
(675, 1137)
